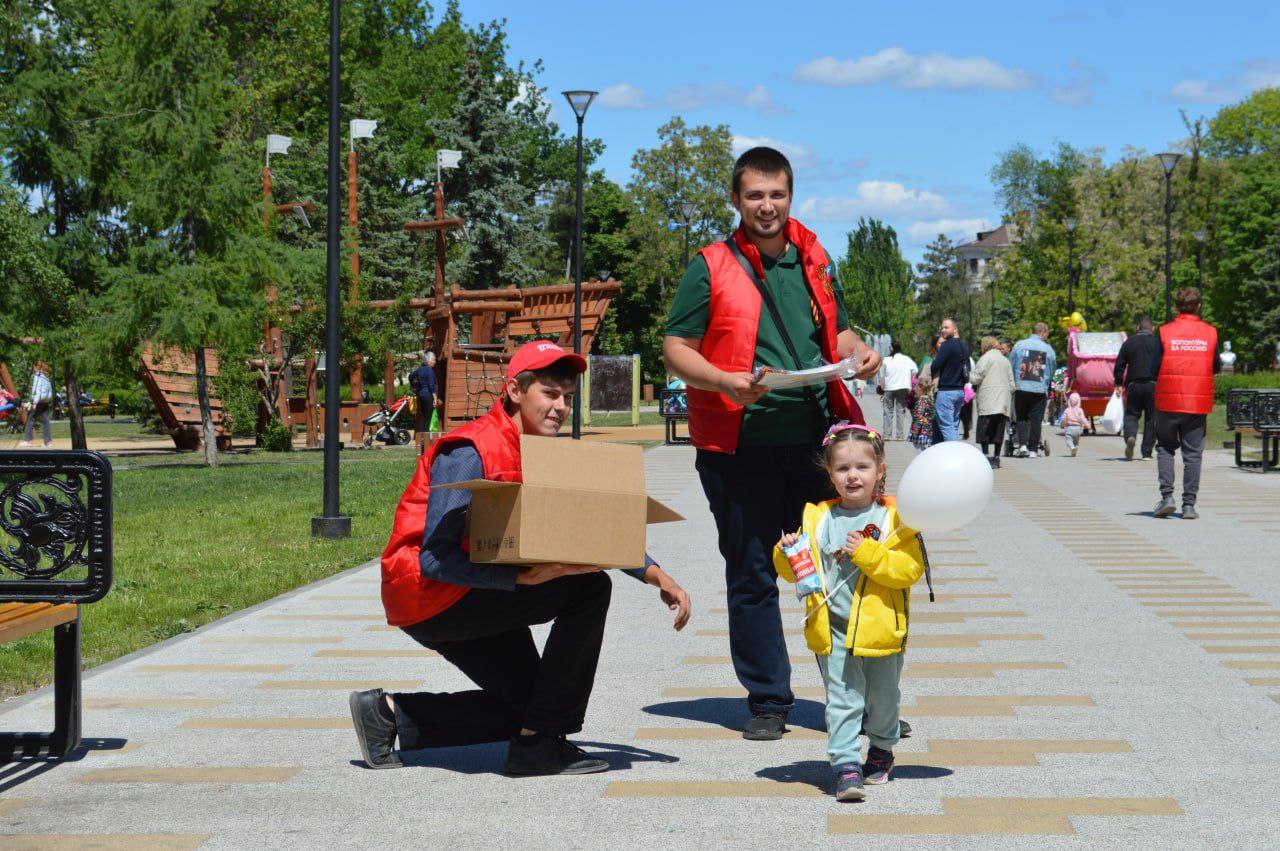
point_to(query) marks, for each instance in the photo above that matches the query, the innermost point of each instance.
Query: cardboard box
(579, 503)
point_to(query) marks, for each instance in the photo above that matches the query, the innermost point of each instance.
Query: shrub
(1235, 381)
(277, 437)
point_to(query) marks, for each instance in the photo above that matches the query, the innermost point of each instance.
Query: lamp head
(580, 99)
(686, 211)
(1200, 235)
(1169, 161)
(1087, 263)
(1070, 224)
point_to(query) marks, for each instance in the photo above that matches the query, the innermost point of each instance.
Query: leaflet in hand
(780, 379)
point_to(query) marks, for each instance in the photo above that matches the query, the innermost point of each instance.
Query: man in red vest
(477, 616)
(1184, 367)
(767, 296)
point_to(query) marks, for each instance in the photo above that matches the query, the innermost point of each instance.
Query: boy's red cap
(541, 354)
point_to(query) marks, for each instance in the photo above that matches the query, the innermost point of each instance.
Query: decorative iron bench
(1256, 412)
(674, 407)
(55, 556)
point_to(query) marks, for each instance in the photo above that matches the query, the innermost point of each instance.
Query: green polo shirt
(781, 417)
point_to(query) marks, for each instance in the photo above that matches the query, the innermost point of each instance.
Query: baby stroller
(1011, 440)
(388, 429)
(10, 415)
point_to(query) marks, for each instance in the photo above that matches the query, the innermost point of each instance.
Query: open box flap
(659, 513)
(475, 485)
(575, 465)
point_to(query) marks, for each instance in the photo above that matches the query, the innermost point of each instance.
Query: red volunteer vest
(407, 596)
(729, 343)
(1185, 382)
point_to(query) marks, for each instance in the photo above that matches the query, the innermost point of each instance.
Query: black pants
(425, 407)
(755, 495)
(991, 431)
(486, 636)
(1140, 401)
(966, 418)
(1028, 412)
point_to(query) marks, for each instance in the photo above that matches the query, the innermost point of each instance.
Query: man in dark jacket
(951, 370)
(1135, 376)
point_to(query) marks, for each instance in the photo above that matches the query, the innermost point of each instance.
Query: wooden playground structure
(469, 374)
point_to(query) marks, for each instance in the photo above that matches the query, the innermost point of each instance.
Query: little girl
(1074, 422)
(922, 414)
(856, 564)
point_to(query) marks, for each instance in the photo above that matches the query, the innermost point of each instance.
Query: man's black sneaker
(904, 729)
(375, 728)
(765, 727)
(539, 754)
(1128, 447)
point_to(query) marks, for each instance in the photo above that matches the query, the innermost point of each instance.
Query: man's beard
(754, 230)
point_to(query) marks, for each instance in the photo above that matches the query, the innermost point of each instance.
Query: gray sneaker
(1189, 513)
(1164, 507)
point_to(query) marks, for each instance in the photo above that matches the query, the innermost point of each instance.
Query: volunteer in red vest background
(1184, 366)
(756, 449)
(477, 616)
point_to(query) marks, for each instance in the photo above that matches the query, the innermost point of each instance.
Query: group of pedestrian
(767, 295)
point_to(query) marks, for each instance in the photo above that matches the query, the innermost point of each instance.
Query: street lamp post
(331, 524)
(1070, 224)
(1200, 235)
(686, 217)
(1169, 162)
(580, 100)
(1087, 263)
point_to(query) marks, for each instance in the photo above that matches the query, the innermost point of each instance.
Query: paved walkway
(1088, 675)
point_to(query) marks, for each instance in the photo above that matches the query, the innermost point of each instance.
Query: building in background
(978, 255)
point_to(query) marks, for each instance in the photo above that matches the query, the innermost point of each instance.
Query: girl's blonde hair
(925, 386)
(988, 343)
(846, 432)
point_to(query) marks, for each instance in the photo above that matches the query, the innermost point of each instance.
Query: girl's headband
(845, 425)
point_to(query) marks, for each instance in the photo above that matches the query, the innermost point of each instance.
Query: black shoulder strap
(767, 298)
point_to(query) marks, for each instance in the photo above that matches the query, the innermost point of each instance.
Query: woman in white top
(41, 399)
(896, 375)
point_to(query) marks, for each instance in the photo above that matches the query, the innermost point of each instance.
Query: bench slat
(39, 617)
(12, 611)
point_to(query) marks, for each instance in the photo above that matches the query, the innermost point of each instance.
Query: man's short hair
(1187, 300)
(764, 160)
(1041, 328)
(895, 348)
(1145, 322)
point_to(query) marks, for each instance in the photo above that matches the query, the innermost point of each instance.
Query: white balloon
(945, 487)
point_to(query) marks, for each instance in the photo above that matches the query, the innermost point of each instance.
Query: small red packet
(800, 557)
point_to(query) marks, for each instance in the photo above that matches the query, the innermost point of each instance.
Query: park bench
(55, 556)
(674, 407)
(1255, 412)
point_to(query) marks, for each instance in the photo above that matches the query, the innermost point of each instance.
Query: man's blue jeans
(947, 407)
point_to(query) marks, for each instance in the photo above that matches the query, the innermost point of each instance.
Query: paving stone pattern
(1089, 675)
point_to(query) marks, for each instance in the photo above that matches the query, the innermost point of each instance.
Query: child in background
(856, 603)
(922, 413)
(1074, 422)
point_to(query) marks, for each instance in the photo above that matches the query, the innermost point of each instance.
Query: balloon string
(830, 594)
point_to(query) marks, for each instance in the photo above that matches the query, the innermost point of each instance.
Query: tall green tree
(879, 292)
(942, 291)
(691, 165)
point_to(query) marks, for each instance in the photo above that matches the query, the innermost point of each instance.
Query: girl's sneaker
(849, 783)
(878, 766)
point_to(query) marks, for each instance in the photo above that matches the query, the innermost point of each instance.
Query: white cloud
(912, 71)
(963, 230)
(801, 156)
(1079, 91)
(623, 96)
(879, 198)
(1254, 74)
(701, 95)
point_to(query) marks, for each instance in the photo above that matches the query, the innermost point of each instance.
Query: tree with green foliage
(879, 292)
(942, 291)
(689, 165)
(1249, 127)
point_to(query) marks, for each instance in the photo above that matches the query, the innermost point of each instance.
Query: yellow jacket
(878, 615)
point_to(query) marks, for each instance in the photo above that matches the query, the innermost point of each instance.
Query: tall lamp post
(1169, 162)
(580, 100)
(1200, 235)
(686, 220)
(1070, 225)
(332, 524)
(1087, 263)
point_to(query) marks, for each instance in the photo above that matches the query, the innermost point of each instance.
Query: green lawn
(194, 544)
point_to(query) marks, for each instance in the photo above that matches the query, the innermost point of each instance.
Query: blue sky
(895, 111)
